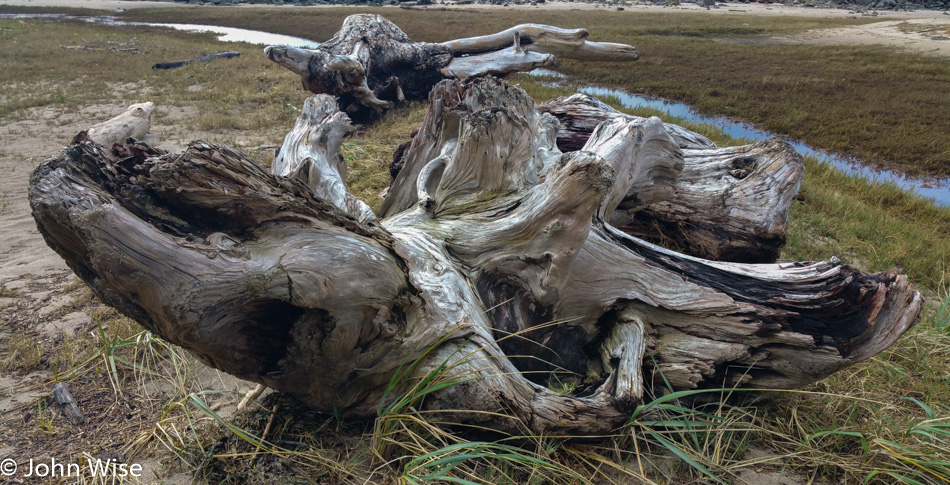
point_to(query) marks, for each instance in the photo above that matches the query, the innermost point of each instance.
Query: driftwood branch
(177, 64)
(492, 266)
(65, 399)
(371, 65)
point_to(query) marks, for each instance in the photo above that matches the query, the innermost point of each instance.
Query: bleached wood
(310, 153)
(622, 355)
(134, 122)
(731, 203)
(727, 203)
(496, 63)
(646, 160)
(545, 39)
(492, 266)
(578, 115)
(251, 396)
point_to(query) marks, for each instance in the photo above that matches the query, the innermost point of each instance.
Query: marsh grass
(370, 151)
(881, 421)
(718, 436)
(21, 354)
(869, 102)
(929, 29)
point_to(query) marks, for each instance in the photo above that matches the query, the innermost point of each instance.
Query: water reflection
(231, 34)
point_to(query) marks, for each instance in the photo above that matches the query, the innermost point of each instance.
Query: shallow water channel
(229, 34)
(936, 189)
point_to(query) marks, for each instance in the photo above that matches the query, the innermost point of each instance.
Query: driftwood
(371, 65)
(64, 398)
(134, 122)
(491, 266)
(728, 204)
(177, 64)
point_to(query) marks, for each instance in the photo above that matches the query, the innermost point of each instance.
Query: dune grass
(881, 421)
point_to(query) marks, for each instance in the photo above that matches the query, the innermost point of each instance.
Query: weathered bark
(728, 204)
(371, 65)
(578, 115)
(64, 398)
(492, 266)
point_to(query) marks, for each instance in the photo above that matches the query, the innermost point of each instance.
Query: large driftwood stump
(492, 264)
(371, 65)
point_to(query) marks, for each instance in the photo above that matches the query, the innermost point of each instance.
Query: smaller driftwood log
(727, 204)
(491, 266)
(371, 65)
(134, 122)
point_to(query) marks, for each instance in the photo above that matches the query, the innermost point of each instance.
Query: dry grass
(21, 353)
(370, 151)
(247, 100)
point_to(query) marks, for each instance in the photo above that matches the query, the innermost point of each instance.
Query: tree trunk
(371, 65)
(492, 267)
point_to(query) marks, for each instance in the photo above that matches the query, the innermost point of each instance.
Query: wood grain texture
(134, 122)
(310, 153)
(728, 204)
(493, 265)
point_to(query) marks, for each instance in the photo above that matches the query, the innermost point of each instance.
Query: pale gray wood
(64, 398)
(492, 266)
(134, 122)
(545, 39)
(726, 204)
(310, 152)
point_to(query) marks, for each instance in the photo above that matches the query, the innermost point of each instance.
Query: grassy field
(881, 421)
(869, 102)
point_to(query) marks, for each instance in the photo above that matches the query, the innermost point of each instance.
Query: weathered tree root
(492, 267)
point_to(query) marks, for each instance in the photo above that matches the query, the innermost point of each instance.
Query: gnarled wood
(579, 114)
(492, 266)
(728, 204)
(370, 64)
(311, 153)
